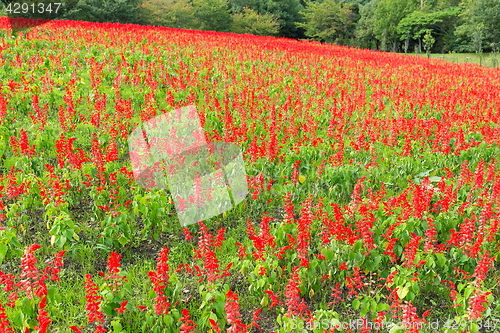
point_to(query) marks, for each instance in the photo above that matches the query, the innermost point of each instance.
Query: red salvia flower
(215, 326)
(255, 318)
(482, 268)
(292, 294)
(43, 318)
(220, 238)
(29, 276)
(54, 267)
(4, 323)
(122, 307)
(411, 250)
(100, 329)
(187, 324)
(479, 175)
(233, 315)
(241, 251)
(430, 235)
(477, 304)
(93, 301)
(304, 232)
(160, 280)
(265, 233)
(187, 233)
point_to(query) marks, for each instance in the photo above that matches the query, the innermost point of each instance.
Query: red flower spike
(4, 323)
(188, 325)
(215, 326)
(93, 301)
(122, 308)
(255, 318)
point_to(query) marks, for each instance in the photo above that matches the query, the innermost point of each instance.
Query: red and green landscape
(374, 186)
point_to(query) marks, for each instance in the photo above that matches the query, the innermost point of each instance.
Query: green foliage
(251, 22)
(428, 41)
(213, 15)
(170, 13)
(442, 22)
(481, 21)
(122, 11)
(388, 15)
(286, 11)
(328, 21)
(364, 31)
(478, 38)
(417, 22)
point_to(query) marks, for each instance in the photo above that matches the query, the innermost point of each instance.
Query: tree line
(440, 26)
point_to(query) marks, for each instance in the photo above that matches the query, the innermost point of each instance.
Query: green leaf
(328, 254)
(3, 252)
(50, 293)
(376, 261)
(382, 307)
(123, 240)
(402, 292)
(441, 258)
(60, 241)
(355, 304)
(117, 327)
(167, 319)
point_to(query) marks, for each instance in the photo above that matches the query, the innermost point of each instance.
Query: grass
(487, 60)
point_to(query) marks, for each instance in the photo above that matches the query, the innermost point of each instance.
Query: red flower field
(373, 179)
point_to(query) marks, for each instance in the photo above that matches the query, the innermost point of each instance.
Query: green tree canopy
(329, 21)
(364, 31)
(122, 11)
(169, 13)
(418, 22)
(483, 15)
(388, 15)
(251, 22)
(213, 15)
(286, 11)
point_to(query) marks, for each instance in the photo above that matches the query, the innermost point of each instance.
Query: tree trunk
(395, 46)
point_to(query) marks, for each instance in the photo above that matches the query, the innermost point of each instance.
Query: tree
(364, 31)
(328, 21)
(428, 42)
(287, 12)
(237, 6)
(388, 15)
(213, 15)
(169, 13)
(481, 13)
(418, 22)
(251, 22)
(122, 11)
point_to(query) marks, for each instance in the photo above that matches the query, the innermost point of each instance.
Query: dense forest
(440, 26)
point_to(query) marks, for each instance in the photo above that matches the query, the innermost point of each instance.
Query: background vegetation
(410, 26)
